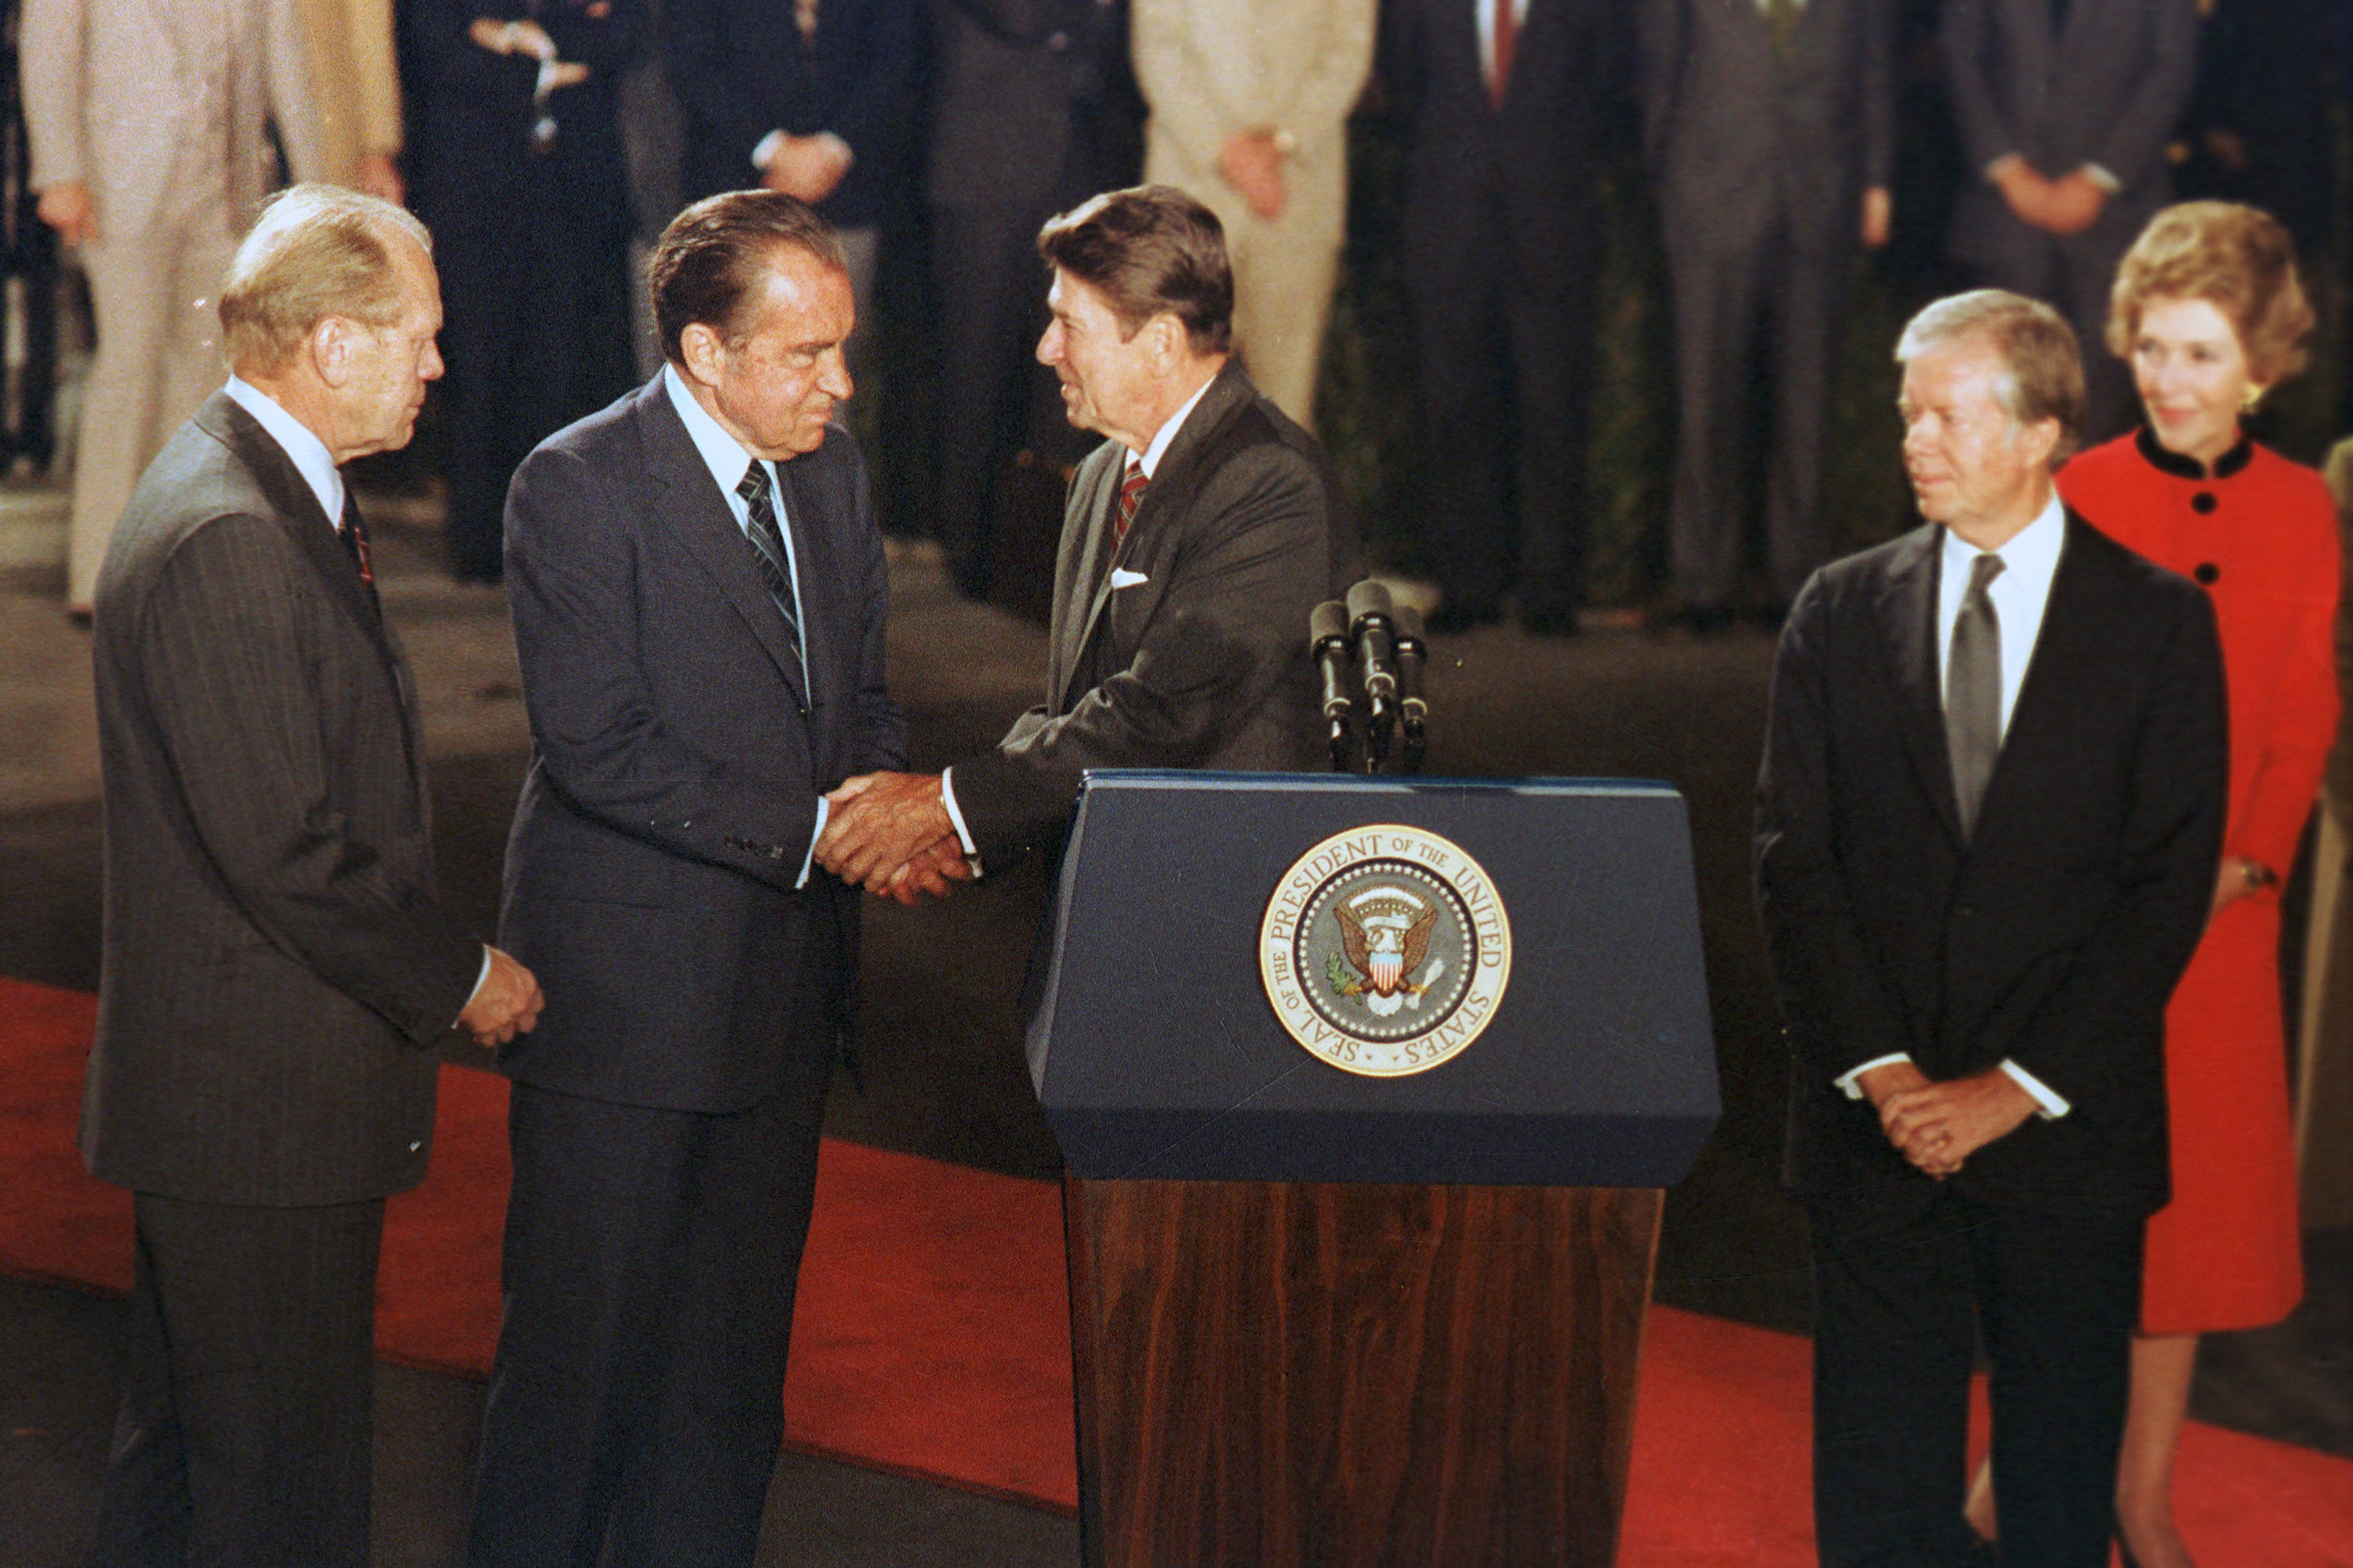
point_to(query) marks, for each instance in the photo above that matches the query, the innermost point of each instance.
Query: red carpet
(932, 1338)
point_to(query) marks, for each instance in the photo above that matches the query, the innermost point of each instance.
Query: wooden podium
(1333, 1304)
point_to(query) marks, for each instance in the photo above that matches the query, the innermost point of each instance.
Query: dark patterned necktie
(1973, 692)
(354, 537)
(1506, 21)
(768, 557)
(1131, 496)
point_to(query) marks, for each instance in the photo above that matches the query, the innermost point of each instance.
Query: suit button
(2203, 503)
(1968, 911)
(2207, 574)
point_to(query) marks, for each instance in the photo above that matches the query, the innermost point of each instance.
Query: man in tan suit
(355, 82)
(146, 126)
(1250, 105)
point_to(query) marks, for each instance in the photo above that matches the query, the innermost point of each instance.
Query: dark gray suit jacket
(1029, 97)
(274, 955)
(2107, 91)
(2053, 935)
(678, 758)
(1203, 663)
(1736, 135)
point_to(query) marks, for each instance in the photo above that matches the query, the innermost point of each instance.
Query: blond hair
(2236, 258)
(316, 251)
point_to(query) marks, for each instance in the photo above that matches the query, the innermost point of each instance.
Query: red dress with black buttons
(2260, 533)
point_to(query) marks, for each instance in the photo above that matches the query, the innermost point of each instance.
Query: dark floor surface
(942, 1078)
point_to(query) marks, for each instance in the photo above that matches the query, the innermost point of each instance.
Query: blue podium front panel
(1289, 977)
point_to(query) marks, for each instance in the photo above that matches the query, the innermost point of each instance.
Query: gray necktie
(1973, 692)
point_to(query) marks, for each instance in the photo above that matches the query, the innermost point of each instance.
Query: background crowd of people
(1594, 268)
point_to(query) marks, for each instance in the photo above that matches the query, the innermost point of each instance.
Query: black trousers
(246, 1432)
(636, 1400)
(1504, 347)
(1902, 1301)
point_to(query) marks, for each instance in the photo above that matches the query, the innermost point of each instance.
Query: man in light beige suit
(1249, 104)
(148, 149)
(355, 82)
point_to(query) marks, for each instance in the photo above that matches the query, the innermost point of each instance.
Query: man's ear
(330, 348)
(702, 355)
(2042, 439)
(1168, 341)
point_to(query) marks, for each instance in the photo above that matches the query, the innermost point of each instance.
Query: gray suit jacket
(1202, 664)
(274, 955)
(678, 758)
(1736, 135)
(2107, 91)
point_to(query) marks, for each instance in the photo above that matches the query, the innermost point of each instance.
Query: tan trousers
(1284, 272)
(158, 358)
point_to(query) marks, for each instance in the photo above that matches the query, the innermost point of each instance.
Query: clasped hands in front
(1938, 1126)
(890, 834)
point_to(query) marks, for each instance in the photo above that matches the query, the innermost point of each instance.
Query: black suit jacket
(741, 70)
(678, 759)
(1202, 664)
(473, 165)
(2107, 90)
(1738, 135)
(274, 954)
(2052, 938)
(1543, 150)
(1030, 97)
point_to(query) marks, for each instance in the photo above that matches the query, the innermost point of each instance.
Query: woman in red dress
(2208, 309)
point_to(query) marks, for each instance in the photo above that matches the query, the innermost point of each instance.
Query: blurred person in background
(806, 97)
(2066, 108)
(1033, 110)
(2210, 314)
(1509, 109)
(1770, 133)
(355, 82)
(1249, 114)
(519, 172)
(150, 151)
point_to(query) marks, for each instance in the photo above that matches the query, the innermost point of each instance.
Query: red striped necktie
(1131, 496)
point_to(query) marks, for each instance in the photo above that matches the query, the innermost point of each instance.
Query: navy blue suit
(666, 1111)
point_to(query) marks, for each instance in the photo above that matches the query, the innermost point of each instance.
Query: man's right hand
(506, 1004)
(65, 206)
(2027, 192)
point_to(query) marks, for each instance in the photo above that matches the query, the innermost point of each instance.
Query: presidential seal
(1384, 951)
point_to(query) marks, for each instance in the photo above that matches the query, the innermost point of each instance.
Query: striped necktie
(768, 556)
(354, 535)
(1131, 496)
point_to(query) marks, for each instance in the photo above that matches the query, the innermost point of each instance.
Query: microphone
(1327, 639)
(1372, 628)
(1411, 654)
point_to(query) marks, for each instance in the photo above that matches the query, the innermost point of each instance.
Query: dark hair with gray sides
(1147, 250)
(712, 259)
(2043, 370)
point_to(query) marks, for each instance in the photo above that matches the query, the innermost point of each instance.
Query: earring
(2254, 395)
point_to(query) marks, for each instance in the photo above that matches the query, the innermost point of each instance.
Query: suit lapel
(1170, 493)
(686, 502)
(1907, 627)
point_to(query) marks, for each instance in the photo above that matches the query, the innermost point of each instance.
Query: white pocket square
(1121, 577)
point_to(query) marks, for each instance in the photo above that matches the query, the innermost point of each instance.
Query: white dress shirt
(1154, 450)
(2020, 596)
(728, 462)
(317, 465)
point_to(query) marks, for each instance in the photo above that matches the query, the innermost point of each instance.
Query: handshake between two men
(891, 834)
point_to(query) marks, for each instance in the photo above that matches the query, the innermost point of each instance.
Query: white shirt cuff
(2102, 178)
(765, 148)
(2049, 1106)
(824, 810)
(481, 978)
(955, 818)
(1850, 1081)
